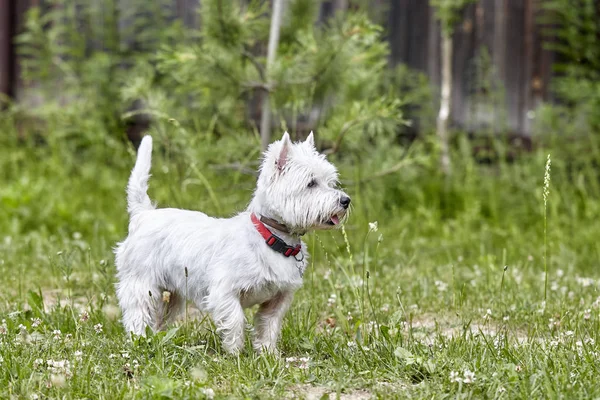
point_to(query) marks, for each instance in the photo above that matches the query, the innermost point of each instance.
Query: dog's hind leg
(142, 306)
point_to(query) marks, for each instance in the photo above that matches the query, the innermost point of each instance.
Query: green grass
(450, 281)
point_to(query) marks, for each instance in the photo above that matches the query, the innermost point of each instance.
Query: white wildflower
(546, 191)
(455, 377)
(332, 299)
(469, 377)
(209, 393)
(98, 328)
(84, 316)
(56, 334)
(373, 226)
(57, 380)
(441, 286)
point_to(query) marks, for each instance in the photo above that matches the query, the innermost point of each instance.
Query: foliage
(449, 13)
(573, 30)
(211, 79)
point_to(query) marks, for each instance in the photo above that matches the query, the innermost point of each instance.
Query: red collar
(273, 241)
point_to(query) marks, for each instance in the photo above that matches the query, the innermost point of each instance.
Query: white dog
(226, 265)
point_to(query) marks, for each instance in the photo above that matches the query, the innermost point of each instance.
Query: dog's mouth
(334, 220)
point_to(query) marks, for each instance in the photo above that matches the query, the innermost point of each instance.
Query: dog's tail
(137, 188)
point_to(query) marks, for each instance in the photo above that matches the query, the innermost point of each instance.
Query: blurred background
(438, 113)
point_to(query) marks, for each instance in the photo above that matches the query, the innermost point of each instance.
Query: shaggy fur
(229, 265)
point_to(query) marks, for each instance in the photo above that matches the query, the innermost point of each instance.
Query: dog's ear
(310, 139)
(286, 143)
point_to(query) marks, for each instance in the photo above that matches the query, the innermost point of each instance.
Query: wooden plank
(433, 49)
(514, 63)
(7, 51)
(187, 11)
(464, 51)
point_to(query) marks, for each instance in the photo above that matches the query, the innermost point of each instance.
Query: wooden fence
(501, 69)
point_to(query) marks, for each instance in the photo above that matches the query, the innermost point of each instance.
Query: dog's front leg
(268, 320)
(228, 315)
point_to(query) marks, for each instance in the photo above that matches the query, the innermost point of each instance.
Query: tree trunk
(443, 120)
(265, 119)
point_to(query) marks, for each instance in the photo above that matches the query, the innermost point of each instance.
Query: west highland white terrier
(226, 265)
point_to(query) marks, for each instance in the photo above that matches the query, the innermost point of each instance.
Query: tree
(448, 12)
(265, 119)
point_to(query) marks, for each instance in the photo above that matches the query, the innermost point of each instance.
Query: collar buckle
(275, 242)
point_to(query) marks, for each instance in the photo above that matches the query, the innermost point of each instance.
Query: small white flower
(303, 362)
(78, 355)
(56, 334)
(35, 322)
(469, 377)
(518, 368)
(506, 318)
(385, 307)
(455, 377)
(584, 282)
(125, 355)
(209, 393)
(587, 314)
(569, 333)
(84, 316)
(57, 380)
(98, 328)
(327, 274)
(76, 235)
(112, 356)
(351, 344)
(501, 389)
(332, 299)
(441, 286)
(373, 226)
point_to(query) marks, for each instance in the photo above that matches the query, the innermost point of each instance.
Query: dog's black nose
(345, 201)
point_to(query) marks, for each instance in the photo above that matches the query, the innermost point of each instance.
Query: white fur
(229, 265)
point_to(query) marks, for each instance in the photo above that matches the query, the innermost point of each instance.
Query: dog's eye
(312, 183)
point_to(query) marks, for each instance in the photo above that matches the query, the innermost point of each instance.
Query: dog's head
(299, 187)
